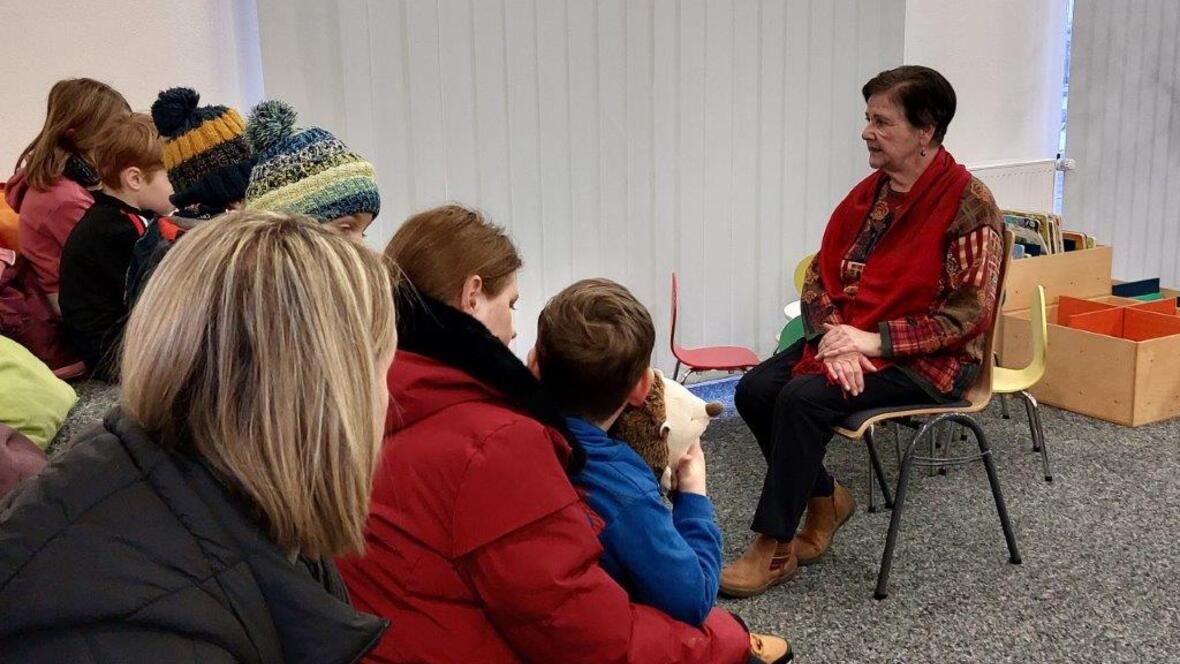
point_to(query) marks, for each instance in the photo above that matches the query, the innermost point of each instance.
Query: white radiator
(1023, 185)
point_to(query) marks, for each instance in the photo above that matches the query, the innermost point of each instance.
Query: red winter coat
(479, 548)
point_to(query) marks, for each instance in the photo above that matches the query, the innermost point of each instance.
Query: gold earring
(923, 152)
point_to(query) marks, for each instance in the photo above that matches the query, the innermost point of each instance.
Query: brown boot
(765, 563)
(824, 517)
(770, 649)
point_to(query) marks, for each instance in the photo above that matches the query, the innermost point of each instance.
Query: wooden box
(1115, 379)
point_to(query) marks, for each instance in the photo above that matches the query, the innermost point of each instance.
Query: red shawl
(901, 276)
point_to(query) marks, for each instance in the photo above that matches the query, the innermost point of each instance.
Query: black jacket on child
(150, 249)
(123, 550)
(94, 266)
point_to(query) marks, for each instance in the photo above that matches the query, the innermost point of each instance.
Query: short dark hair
(594, 341)
(927, 97)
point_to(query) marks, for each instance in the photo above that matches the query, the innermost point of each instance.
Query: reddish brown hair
(594, 341)
(130, 142)
(77, 111)
(439, 249)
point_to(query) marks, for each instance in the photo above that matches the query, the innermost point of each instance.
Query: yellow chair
(1018, 382)
(801, 272)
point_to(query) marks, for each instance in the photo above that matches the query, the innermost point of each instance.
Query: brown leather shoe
(824, 517)
(765, 563)
(771, 649)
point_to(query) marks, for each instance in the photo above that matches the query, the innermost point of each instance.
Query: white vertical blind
(618, 138)
(1124, 133)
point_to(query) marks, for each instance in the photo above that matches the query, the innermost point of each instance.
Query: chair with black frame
(925, 419)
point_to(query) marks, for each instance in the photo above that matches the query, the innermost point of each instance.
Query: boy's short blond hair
(594, 341)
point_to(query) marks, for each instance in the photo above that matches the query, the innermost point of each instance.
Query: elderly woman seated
(895, 306)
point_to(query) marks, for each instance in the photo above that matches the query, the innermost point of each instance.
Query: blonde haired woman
(197, 523)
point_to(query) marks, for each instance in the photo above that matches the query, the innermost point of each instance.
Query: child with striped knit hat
(208, 162)
(309, 171)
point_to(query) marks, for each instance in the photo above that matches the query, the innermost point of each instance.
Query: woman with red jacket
(478, 547)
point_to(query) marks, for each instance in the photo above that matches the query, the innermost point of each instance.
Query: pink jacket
(46, 220)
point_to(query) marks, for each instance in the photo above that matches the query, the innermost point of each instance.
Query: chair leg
(882, 590)
(946, 448)
(1039, 434)
(1004, 407)
(872, 508)
(897, 442)
(934, 445)
(993, 478)
(903, 479)
(1029, 407)
(676, 372)
(878, 471)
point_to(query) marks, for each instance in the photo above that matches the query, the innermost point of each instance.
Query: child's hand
(690, 471)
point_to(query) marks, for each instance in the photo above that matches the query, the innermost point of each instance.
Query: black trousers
(792, 419)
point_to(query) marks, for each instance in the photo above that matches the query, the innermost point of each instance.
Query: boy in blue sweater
(593, 353)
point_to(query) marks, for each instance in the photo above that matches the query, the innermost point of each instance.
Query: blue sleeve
(672, 561)
(692, 514)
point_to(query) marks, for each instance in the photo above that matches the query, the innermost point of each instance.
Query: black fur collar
(441, 332)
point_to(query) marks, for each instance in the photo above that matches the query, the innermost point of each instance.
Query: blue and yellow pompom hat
(305, 170)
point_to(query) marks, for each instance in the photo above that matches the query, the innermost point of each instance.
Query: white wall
(618, 137)
(625, 138)
(1005, 59)
(138, 46)
(1124, 133)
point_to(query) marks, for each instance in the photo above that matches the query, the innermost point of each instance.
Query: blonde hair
(76, 112)
(256, 344)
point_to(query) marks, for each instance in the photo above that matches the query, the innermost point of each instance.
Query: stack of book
(1040, 234)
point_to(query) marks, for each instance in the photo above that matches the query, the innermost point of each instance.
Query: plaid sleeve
(967, 305)
(818, 308)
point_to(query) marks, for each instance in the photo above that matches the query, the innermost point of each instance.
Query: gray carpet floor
(1101, 551)
(1101, 548)
(94, 400)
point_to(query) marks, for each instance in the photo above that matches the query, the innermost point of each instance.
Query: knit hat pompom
(271, 122)
(172, 109)
(205, 149)
(306, 170)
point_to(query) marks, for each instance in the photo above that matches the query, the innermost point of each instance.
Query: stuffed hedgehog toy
(665, 426)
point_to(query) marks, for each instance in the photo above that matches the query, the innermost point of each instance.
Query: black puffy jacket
(123, 551)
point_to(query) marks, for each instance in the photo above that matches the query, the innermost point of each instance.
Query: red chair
(708, 358)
